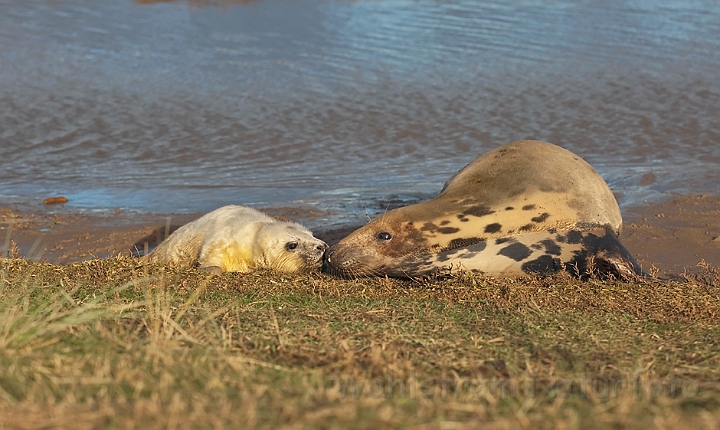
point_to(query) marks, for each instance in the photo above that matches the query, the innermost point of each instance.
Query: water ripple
(335, 102)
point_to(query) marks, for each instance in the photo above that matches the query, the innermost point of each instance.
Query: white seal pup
(240, 239)
(525, 207)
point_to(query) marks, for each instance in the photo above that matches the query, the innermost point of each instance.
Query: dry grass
(109, 344)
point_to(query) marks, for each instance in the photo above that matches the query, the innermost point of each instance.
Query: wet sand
(672, 236)
(675, 235)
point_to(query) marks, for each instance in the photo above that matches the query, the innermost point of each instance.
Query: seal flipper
(603, 255)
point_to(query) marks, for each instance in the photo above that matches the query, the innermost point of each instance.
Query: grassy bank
(109, 344)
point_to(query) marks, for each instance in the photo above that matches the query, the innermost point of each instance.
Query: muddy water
(347, 107)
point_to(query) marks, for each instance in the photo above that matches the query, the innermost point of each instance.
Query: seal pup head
(516, 189)
(288, 247)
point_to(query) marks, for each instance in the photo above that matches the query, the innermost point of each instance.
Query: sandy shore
(675, 235)
(672, 236)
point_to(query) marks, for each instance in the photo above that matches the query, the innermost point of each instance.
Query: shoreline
(668, 237)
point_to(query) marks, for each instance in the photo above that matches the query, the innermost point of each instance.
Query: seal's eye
(383, 235)
(290, 246)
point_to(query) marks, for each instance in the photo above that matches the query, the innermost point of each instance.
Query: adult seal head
(525, 207)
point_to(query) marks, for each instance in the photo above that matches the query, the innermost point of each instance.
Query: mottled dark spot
(464, 220)
(552, 231)
(446, 256)
(578, 266)
(536, 246)
(461, 216)
(471, 247)
(574, 236)
(470, 255)
(542, 264)
(611, 246)
(517, 251)
(448, 230)
(493, 228)
(593, 241)
(503, 240)
(551, 247)
(464, 242)
(540, 218)
(479, 210)
(560, 238)
(428, 226)
(526, 227)
(587, 226)
(448, 251)
(509, 208)
(444, 222)
(528, 207)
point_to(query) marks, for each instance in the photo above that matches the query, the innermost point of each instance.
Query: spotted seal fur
(525, 207)
(240, 239)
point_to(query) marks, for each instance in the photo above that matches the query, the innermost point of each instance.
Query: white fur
(240, 239)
